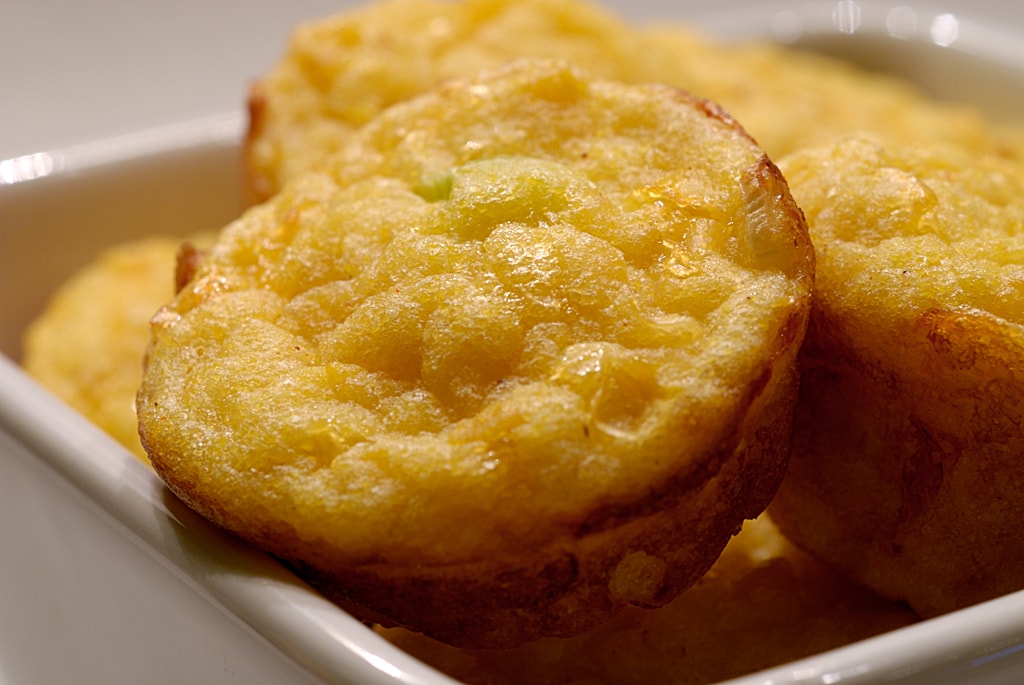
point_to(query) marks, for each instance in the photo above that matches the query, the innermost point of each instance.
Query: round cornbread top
(505, 309)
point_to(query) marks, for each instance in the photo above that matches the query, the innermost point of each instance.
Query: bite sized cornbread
(339, 72)
(765, 602)
(907, 470)
(522, 354)
(87, 345)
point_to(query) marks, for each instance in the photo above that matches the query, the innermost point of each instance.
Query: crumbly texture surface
(906, 470)
(87, 346)
(341, 71)
(529, 325)
(776, 601)
(337, 73)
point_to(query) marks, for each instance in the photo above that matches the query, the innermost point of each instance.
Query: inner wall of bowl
(54, 224)
(944, 72)
(949, 51)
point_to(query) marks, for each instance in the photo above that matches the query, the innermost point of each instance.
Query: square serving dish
(106, 578)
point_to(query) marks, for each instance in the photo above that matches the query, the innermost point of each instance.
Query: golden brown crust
(919, 494)
(187, 262)
(670, 539)
(763, 593)
(906, 469)
(519, 355)
(259, 182)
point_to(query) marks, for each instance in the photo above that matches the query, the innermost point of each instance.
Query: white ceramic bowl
(106, 578)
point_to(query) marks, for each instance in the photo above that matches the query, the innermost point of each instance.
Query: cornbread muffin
(521, 354)
(765, 602)
(339, 72)
(87, 345)
(907, 470)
